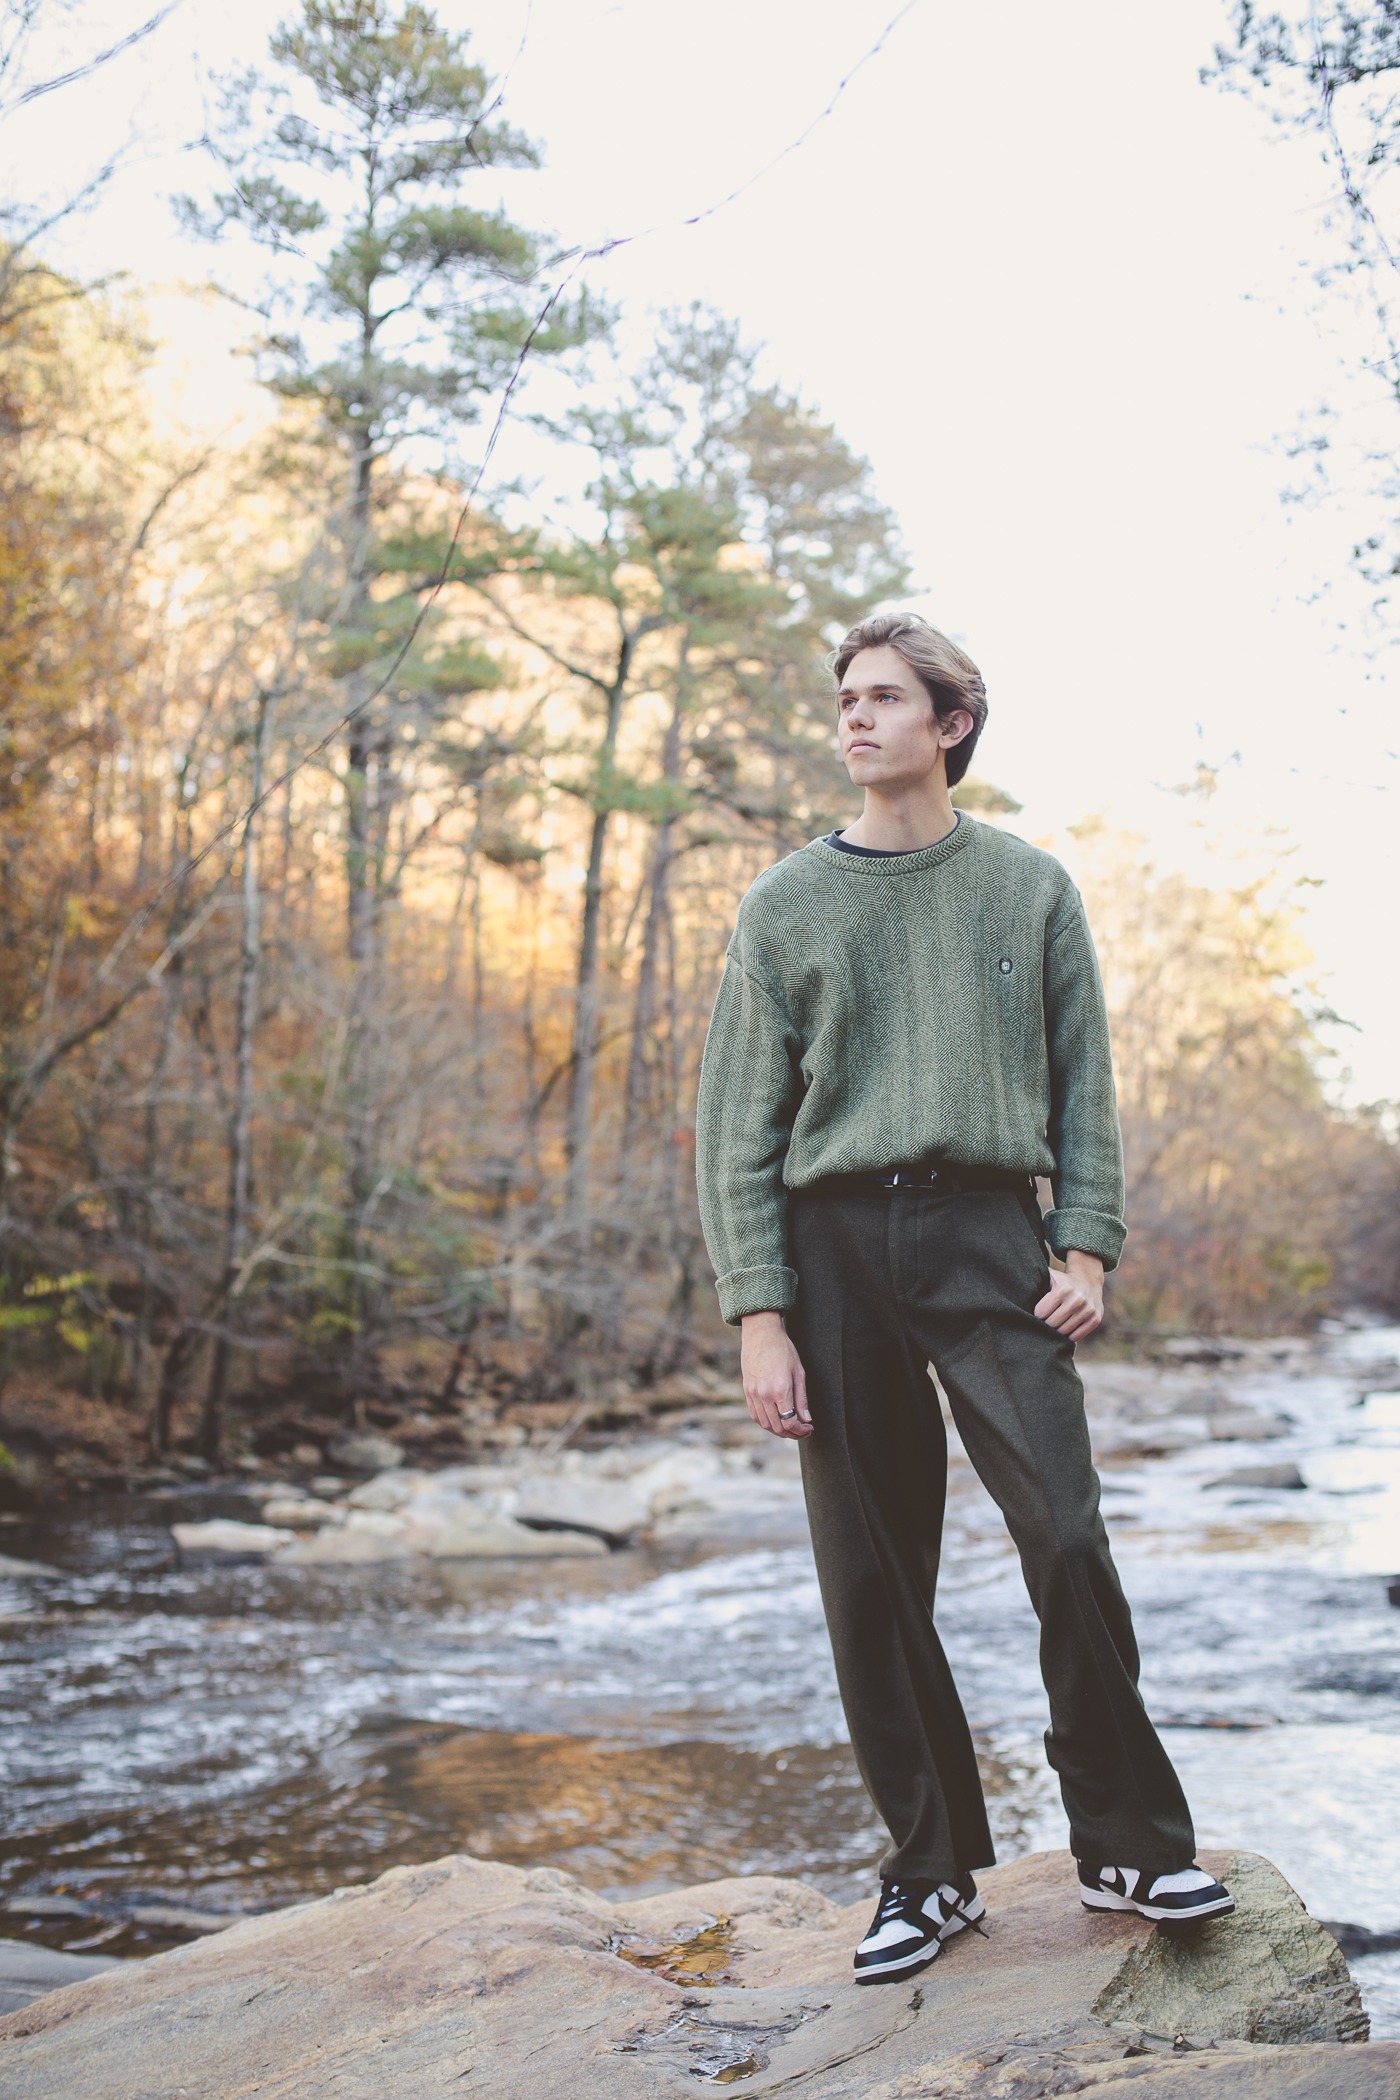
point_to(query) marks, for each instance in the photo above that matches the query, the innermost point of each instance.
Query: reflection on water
(706, 1958)
(240, 1738)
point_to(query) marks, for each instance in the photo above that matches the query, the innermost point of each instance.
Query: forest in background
(370, 843)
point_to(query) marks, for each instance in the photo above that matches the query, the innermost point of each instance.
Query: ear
(954, 727)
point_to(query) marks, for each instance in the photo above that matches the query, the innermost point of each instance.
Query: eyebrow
(893, 685)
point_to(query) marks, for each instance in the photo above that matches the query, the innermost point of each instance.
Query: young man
(910, 1028)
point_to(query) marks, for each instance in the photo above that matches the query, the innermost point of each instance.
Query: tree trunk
(364, 771)
(172, 1379)
(644, 1011)
(578, 1114)
(360, 736)
(241, 1126)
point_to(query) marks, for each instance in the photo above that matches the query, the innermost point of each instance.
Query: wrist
(755, 1320)
(1087, 1266)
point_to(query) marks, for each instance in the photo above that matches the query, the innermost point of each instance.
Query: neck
(903, 819)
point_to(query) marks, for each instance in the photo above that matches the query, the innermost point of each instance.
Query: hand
(774, 1380)
(1073, 1305)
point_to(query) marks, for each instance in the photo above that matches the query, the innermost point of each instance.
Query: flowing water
(196, 1740)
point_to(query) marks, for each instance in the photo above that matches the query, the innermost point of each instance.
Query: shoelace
(893, 1901)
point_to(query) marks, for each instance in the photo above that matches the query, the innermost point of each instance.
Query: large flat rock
(466, 1976)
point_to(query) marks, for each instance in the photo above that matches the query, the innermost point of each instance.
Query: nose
(860, 715)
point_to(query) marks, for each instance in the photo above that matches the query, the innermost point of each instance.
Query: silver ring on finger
(790, 1416)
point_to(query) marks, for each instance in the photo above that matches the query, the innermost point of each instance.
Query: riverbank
(62, 1445)
(685, 1462)
(190, 1741)
(522, 1984)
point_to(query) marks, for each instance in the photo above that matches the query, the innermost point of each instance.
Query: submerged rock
(468, 1975)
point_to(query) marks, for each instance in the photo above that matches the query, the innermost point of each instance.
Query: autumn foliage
(369, 850)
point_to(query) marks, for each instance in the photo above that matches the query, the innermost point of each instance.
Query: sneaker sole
(1160, 1914)
(909, 1964)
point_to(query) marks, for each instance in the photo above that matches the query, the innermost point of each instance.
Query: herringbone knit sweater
(938, 1005)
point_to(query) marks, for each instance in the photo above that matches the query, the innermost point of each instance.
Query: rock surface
(465, 1976)
(1272, 1974)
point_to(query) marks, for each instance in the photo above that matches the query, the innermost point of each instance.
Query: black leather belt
(945, 1180)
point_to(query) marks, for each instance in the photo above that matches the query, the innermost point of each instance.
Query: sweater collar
(858, 865)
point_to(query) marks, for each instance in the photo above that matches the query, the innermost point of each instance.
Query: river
(193, 1740)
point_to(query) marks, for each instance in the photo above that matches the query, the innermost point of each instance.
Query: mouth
(862, 744)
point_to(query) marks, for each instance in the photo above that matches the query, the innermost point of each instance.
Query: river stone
(179, 1917)
(1243, 1426)
(10, 1566)
(223, 1539)
(1270, 1973)
(1284, 1476)
(387, 1492)
(27, 1972)
(479, 1537)
(470, 1976)
(299, 1514)
(606, 1508)
(365, 1454)
(666, 1482)
(365, 1536)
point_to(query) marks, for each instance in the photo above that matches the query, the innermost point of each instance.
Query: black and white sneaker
(1168, 1899)
(911, 1922)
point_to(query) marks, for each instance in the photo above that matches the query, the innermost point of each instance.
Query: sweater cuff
(755, 1290)
(1090, 1231)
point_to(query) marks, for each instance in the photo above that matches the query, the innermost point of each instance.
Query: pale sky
(1053, 287)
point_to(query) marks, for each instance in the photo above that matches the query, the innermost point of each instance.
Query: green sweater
(940, 1005)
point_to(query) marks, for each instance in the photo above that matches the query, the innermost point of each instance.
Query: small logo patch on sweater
(1005, 966)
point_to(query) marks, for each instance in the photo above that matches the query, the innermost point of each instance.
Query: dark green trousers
(888, 1284)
